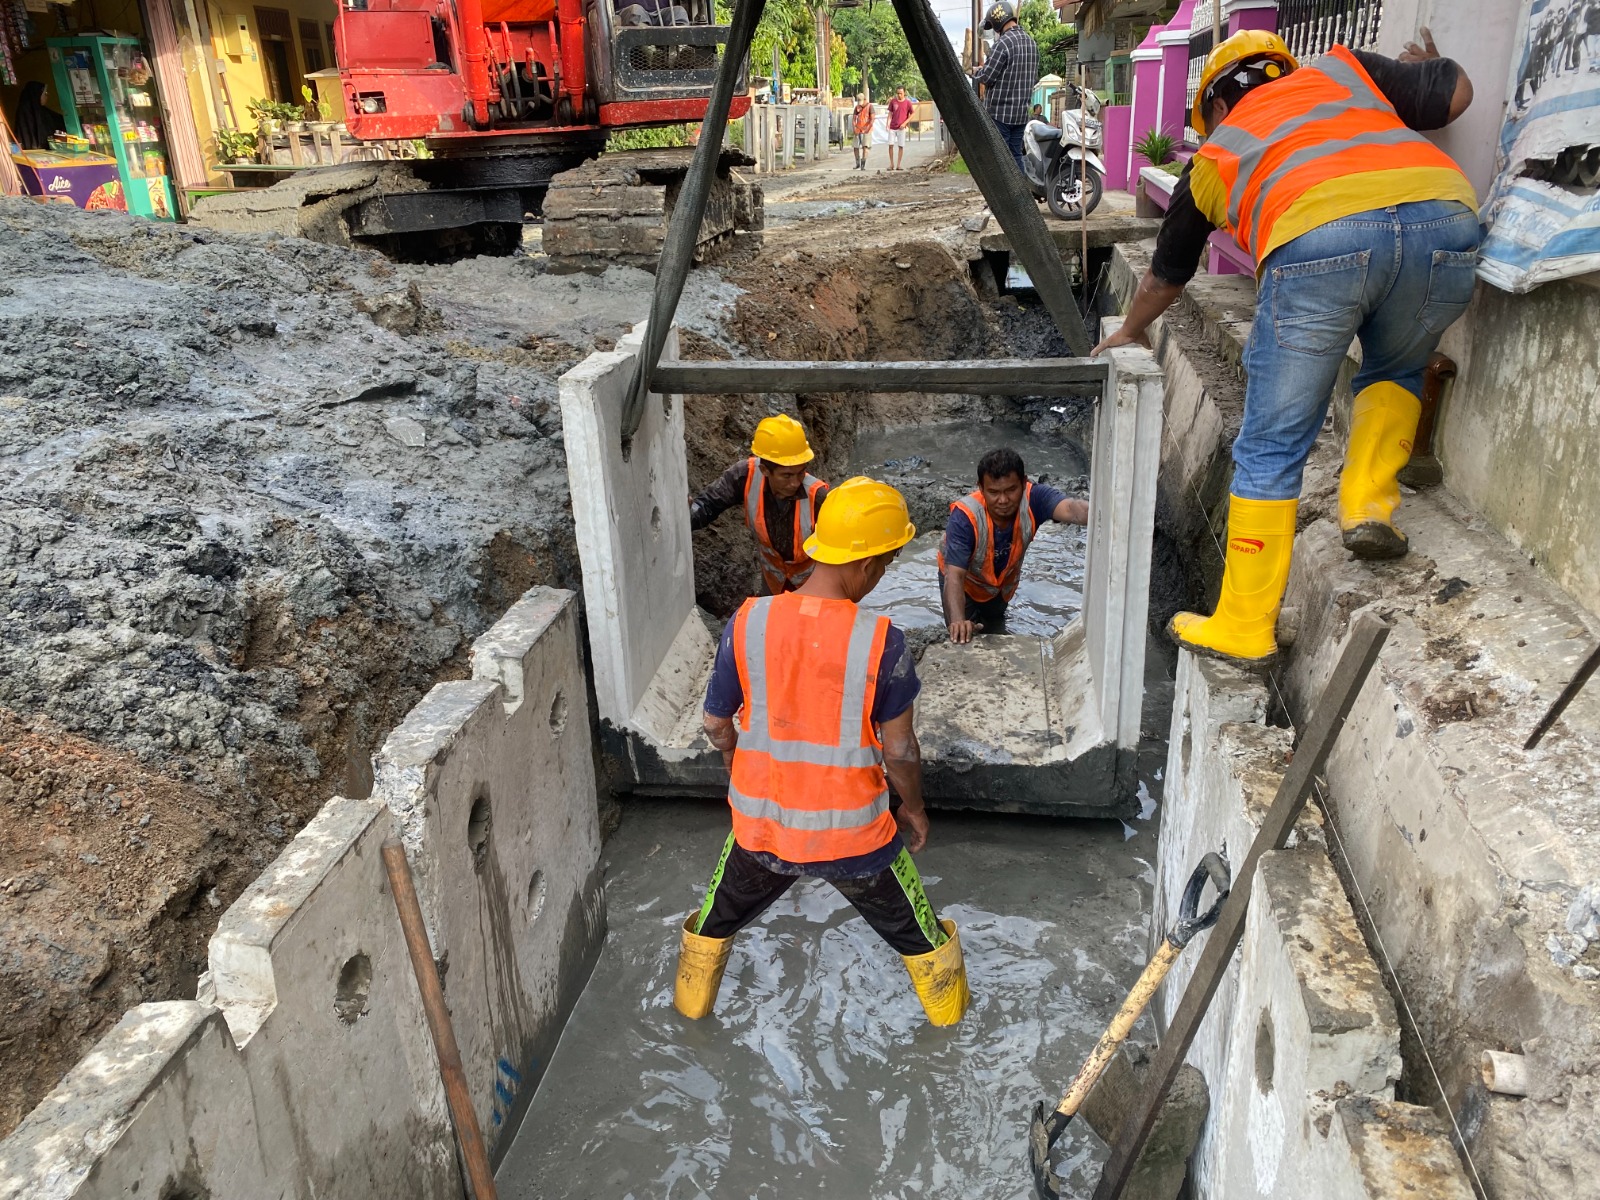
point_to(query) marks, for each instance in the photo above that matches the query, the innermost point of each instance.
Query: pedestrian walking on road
(810, 703)
(1008, 75)
(1360, 228)
(980, 558)
(780, 498)
(900, 110)
(862, 117)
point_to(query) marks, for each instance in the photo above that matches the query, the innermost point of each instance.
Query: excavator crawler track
(615, 209)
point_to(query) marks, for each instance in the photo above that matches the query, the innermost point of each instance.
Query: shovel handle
(1117, 1032)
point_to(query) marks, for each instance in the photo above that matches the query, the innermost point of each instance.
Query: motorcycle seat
(1044, 133)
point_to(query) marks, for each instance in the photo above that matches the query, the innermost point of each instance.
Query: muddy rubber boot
(940, 978)
(701, 961)
(1260, 543)
(1383, 422)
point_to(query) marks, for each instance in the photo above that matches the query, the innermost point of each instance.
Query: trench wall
(305, 1067)
(1478, 861)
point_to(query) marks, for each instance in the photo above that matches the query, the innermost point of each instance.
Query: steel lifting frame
(1008, 195)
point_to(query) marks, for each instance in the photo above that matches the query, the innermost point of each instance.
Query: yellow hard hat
(1248, 43)
(782, 440)
(860, 518)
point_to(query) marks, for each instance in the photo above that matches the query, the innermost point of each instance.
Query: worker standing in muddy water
(986, 537)
(810, 702)
(1360, 228)
(781, 500)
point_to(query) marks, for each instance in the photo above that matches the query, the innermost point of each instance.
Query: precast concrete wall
(1301, 1023)
(306, 1069)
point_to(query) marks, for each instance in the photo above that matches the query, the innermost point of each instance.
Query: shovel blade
(1046, 1185)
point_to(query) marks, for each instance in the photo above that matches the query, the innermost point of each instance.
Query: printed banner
(1543, 210)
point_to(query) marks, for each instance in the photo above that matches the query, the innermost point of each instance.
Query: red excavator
(515, 100)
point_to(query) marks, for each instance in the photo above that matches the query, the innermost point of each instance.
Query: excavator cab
(652, 50)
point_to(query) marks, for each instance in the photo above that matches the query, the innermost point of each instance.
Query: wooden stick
(989, 377)
(1310, 755)
(468, 1136)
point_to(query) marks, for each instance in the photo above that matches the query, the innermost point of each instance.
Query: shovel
(1047, 1128)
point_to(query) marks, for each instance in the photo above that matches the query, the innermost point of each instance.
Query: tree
(1054, 39)
(878, 49)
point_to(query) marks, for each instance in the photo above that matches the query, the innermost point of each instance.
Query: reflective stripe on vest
(1319, 123)
(780, 573)
(982, 584)
(821, 795)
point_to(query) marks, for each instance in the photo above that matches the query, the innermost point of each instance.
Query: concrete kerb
(315, 1074)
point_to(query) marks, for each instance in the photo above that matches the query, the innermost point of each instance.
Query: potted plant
(319, 113)
(236, 146)
(1156, 149)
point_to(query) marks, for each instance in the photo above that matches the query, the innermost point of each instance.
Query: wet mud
(817, 1074)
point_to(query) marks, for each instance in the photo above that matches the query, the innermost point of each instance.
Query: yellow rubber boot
(1383, 424)
(701, 961)
(1260, 543)
(940, 977)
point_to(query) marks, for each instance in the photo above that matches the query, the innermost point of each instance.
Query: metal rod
(683, 231)
(468, 1135)
(1310, 755)
(1574, 686)
(995, 170)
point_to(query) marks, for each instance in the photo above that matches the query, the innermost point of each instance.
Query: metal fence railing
(1311, 26)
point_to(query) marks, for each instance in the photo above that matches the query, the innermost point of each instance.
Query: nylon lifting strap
(848, 752)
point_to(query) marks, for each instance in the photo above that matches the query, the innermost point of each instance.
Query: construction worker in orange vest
(810, 702)
(780, 497)
(989, 531)
(1360, 228)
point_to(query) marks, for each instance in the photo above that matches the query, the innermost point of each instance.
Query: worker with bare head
(861, 118)
(810, 702)
(1361, 229)
(986, 537)
(900, 110)
(780, 497)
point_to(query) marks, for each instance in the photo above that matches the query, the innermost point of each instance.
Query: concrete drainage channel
(304, 1068)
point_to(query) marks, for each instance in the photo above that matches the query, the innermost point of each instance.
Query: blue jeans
(1011, 135)
(1394, 277)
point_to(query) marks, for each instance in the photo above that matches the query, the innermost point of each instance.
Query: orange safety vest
(1317, 124)
(782, 574)
(982, 583)
(807, 781)
(863, 115)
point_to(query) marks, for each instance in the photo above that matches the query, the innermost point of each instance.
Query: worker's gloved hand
(961, 631)
(913, 827)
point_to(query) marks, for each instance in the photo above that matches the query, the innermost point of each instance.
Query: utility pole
(977, 33)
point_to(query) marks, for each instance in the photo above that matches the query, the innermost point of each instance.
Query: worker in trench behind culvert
(781, 501)
(986, 537)
(1360, 228)
(810, 702)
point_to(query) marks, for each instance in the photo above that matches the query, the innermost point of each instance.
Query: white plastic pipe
(1507, 1074)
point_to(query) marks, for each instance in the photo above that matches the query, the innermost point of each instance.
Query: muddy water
(817, 1075)
(937, 462)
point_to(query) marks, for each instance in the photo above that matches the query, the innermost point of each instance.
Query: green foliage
(314, 109)
(1038, 18)
(274, 110)
(1155, 146)
(878, 50)
(958, 166)
(656, 138)
(236, 145)
(1054, 45)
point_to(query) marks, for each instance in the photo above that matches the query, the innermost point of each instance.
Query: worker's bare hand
(961, 631)
(1416, 53)
(1122, 338)
(913, 827)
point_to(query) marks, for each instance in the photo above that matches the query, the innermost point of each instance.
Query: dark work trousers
(892, 901)
(991, 614)
(1011, 135)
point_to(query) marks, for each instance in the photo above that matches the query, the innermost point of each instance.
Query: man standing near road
(980, 559)
(780, 498)
(810, 703)
(862, 118)
(1008, 75)
(1360, 229)
(900, 110)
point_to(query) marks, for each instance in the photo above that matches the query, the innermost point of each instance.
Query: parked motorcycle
(1062, 164)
